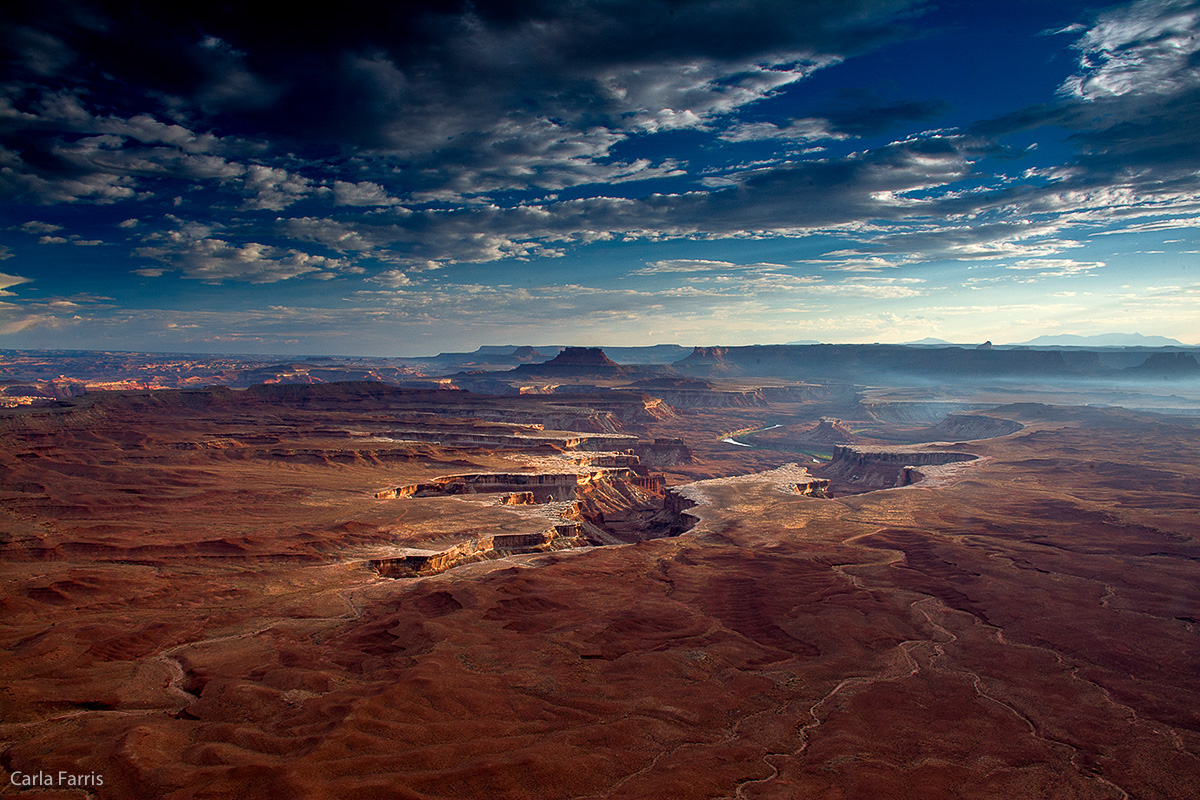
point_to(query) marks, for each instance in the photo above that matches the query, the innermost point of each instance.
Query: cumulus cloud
(214, 260)
(35, 226)
(392, 278)
(361, 193)
(274, 188)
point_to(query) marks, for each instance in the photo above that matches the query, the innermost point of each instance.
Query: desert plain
(729, 587)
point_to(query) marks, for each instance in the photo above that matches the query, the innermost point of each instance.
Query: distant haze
(1105, 340)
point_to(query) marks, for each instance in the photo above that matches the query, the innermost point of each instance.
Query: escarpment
(544, 487)
(709, 398)
(602, 506)
(860, 469)
(412, 562)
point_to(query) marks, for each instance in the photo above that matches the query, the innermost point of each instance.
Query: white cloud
(798, 130)
(35, 226)
(362, 193)
(7, 281)
(274, 188)
(392, 278)
(1148, 47)
(697, 265)
(215, 260)
(854, 263)
(675, 95)
(1057, 267)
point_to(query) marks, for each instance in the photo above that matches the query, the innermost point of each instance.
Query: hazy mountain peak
(1103, 340)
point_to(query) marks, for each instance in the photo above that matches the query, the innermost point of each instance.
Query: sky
(382, 178)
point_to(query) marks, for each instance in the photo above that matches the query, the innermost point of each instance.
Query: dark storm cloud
(406, 76)
(457, 99)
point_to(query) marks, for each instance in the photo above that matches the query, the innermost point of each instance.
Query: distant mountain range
(1103, 340)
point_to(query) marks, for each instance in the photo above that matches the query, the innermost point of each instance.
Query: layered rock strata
(542, 487)
(887, 468)
(414, 563)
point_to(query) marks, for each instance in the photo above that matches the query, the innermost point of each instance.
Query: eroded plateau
(585, 591)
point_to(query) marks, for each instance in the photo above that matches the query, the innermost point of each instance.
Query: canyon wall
(885, 468)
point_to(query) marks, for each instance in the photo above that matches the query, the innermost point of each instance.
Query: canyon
(895, 588)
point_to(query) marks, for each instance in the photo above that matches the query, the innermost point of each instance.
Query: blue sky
(401, 179)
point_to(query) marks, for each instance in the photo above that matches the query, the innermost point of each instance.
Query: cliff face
(1168, 365)
(543, 487)
(886, 468)
(609, 506)
(419, 563)
(815, 487)
(857, 361)
(702, 398)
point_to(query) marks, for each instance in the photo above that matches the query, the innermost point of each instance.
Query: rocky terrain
(354, 589)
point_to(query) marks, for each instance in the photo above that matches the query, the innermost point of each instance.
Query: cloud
(274, 188)
(1148, 47)
(1155, 226)
(776, 286)
(362, 193)
(35, 226)
(788, 199)
(850, 262)
(478, 97)
(798, 130)
(213, 260)
(674, 265)
(1057, 267)
(392, 278)
(420, 136)
(22, 183)
(7, 281)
